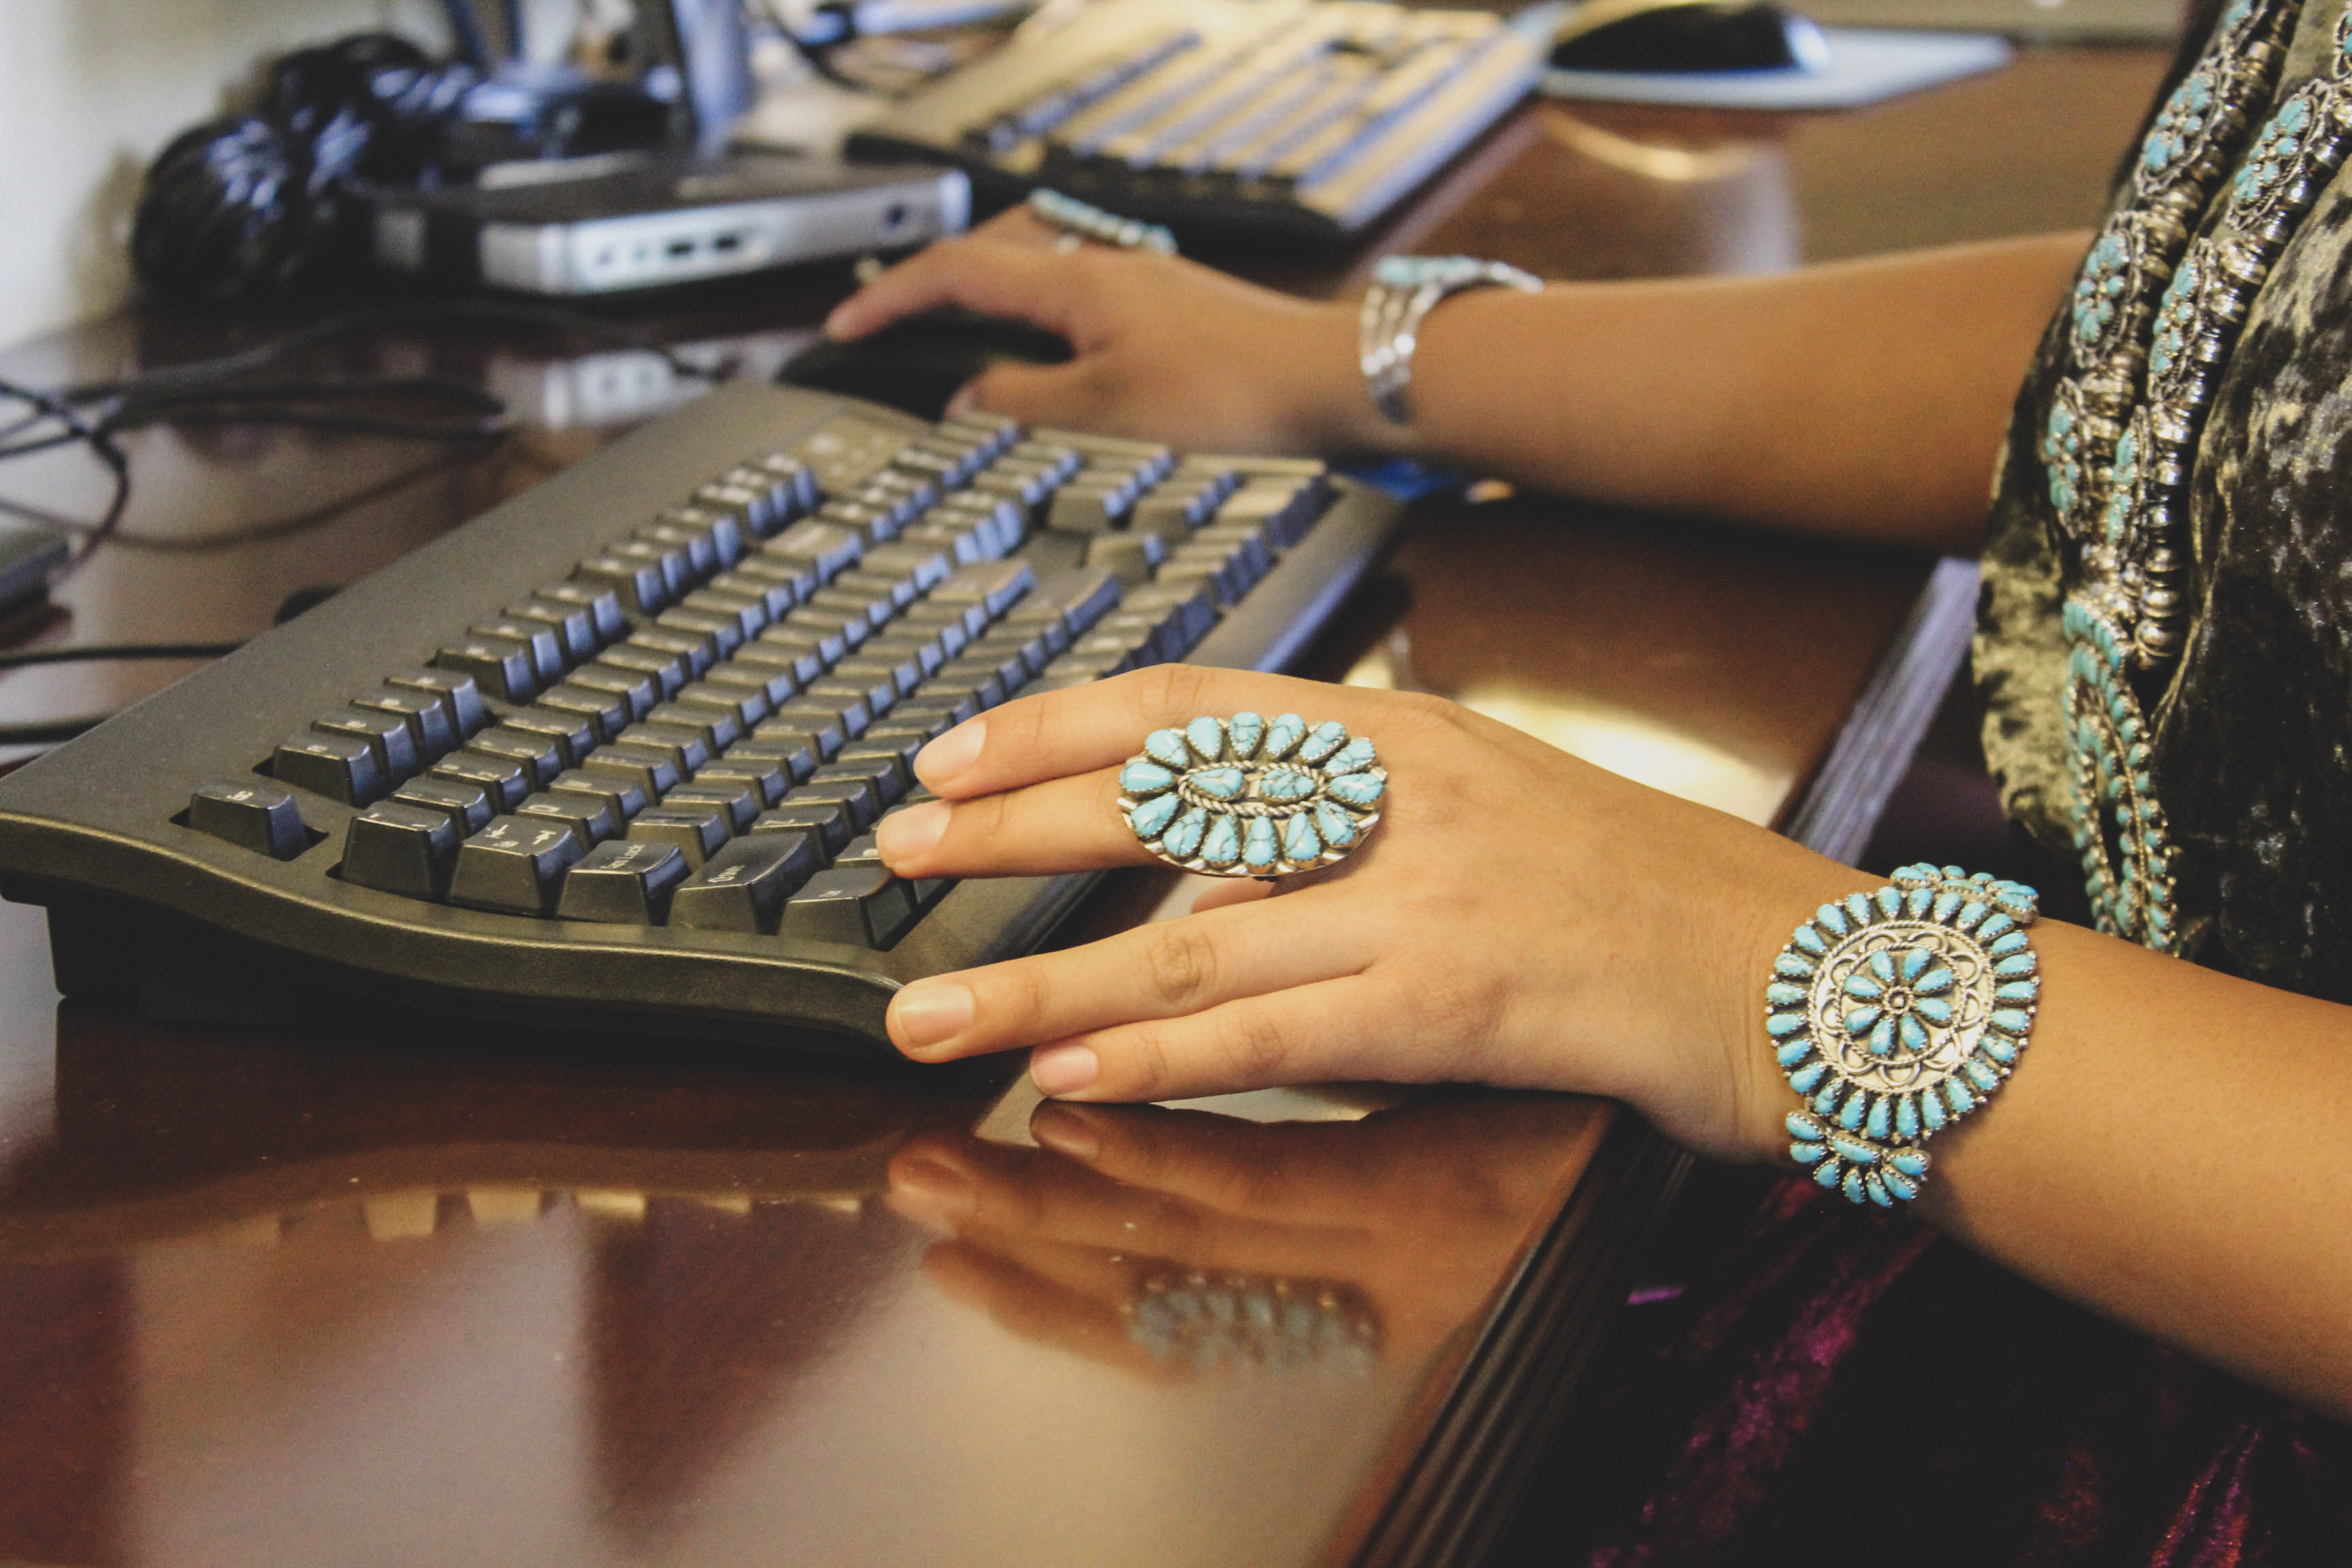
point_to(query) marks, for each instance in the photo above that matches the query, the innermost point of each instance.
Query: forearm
(2170, 1153)
(1863, 400)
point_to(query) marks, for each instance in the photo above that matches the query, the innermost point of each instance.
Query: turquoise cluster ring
(1250, 797)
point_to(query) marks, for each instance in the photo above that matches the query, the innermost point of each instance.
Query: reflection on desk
(364, 1302)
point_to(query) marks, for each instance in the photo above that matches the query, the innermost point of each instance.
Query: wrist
(1331, 402)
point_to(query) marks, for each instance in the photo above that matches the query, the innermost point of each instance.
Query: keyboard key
(386, 735)
(804, 649)
(403, 849)
(604, 606)
(602, 714)
(722, 513)
(1079, 595)
(540, 756)
(831, 721)
(632, 693)
(677, 568)
(718, 724)
(698, 548)
(829, 819)
(624, 882)
(774, 595)
(855, 701)
(652, 772)
(770, 683)
(744, 702)
(588, 818)
(514, 866)
(826, 548)
(1131, 556)
(546, 645)
(638, 585)
(502, 667)
(504, 783)
(573, 627)
(852, 788)
(617, 792)
(766, 778)
(742, 887)
(925, 566)
(1285, 508)
(426, 718)
(996, 585)
(683, 748)
(1082, 507)
(340, 767)
(740, 801)
(459, 696)
(251, 815)
(748, 612)
(882, 588)
(698, 831)
(794, 579)
(914, 654)
(884, 680)
(468, 806)
(721, 634)
(794, 753)
(1188, 609)
(666, 671)
(573, 735)
(861, 907)
(694, 647)
(886, 764)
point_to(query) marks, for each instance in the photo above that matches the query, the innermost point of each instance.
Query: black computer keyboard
(614, 752)
(1285, 116)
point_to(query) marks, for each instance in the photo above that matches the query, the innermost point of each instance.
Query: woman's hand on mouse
(1517, 918)
(1162, 348)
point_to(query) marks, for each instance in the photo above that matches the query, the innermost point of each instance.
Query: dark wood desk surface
(406, 1296)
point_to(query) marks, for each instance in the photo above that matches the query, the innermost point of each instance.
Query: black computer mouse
(1686, 36)
(917, 363)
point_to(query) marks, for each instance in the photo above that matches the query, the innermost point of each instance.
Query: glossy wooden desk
(410, 1295)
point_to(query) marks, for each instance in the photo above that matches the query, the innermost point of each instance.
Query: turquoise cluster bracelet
(1896, 1012)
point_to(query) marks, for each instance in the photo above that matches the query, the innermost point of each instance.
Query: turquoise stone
(1857, 909)
(1914, 1037)
(1223, 846)
(1356, 755)
(1809, 939)
(1858, 1020)
(1285, 785)
(1850, 1118)
(1883, 965)
(1218, 784)
(1207, 739)
(1935, 982)
(1299, 841)
(1805, 1077)
(1945, 904)
(2012, 1020)
(1969, 914)
(1145, 778)
(2018, 991)
(1780, 993)
(2013, 942)
(1876, 1188)
(1183, 840)
(1243, 731)
(1337, 827)
(1910, 1161)
(2017, 964)
(1799, 1125)
(1907, 1117)
(1357, 789)
(1826, 1173)
(1914, 964)
(1166, 747)
(1152, 816)
(1876, 1125)
(1852, 1188)
(1862, 988)
(1931, 1110)
(1261, 846)
(1790, 1054)
(1890, 901)
(1322, 741)
(1780, 1026)
(1806, 1153)
(1934, 1009)
(1825, 1103)
(1957, 1095)
(1882, 1039)
(1832, 917)
(1282, 735)
(1795, 966)
(1999, 1048)
(1860, 1153)
(1994, 926)
(1983, 1077)
(1898, 1186)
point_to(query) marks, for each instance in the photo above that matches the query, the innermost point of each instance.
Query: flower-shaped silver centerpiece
(1246, 796)
(1896, 1012)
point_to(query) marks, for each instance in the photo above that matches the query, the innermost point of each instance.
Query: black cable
(101, 446)
(49, 731)
(111, 652)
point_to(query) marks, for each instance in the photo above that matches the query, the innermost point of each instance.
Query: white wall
(89, 89)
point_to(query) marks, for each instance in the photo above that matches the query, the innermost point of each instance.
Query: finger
(1225, 892)
(992, 276)
(1021, 225)
(1326, 1173)
(1164, 969)
(1036, 1311)
(1032, 394)
(1103, 722)
(1347, 1026)
(1063, 825)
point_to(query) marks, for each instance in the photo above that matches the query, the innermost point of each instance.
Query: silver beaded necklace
(2155, 315)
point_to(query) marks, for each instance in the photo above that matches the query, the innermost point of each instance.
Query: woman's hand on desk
(1163, 348)
(1517, 918)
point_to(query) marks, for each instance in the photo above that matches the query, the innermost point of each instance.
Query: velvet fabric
(1851, 1387)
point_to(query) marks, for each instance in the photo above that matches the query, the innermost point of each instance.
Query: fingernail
(952, 753)
(962, 403)
(931, 1011)
(904, 835)
(1065, 1132)
(932, 1185)
(833, 324)
(1063, 1069)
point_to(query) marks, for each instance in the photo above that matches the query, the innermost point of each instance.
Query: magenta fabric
(1852, 1387)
